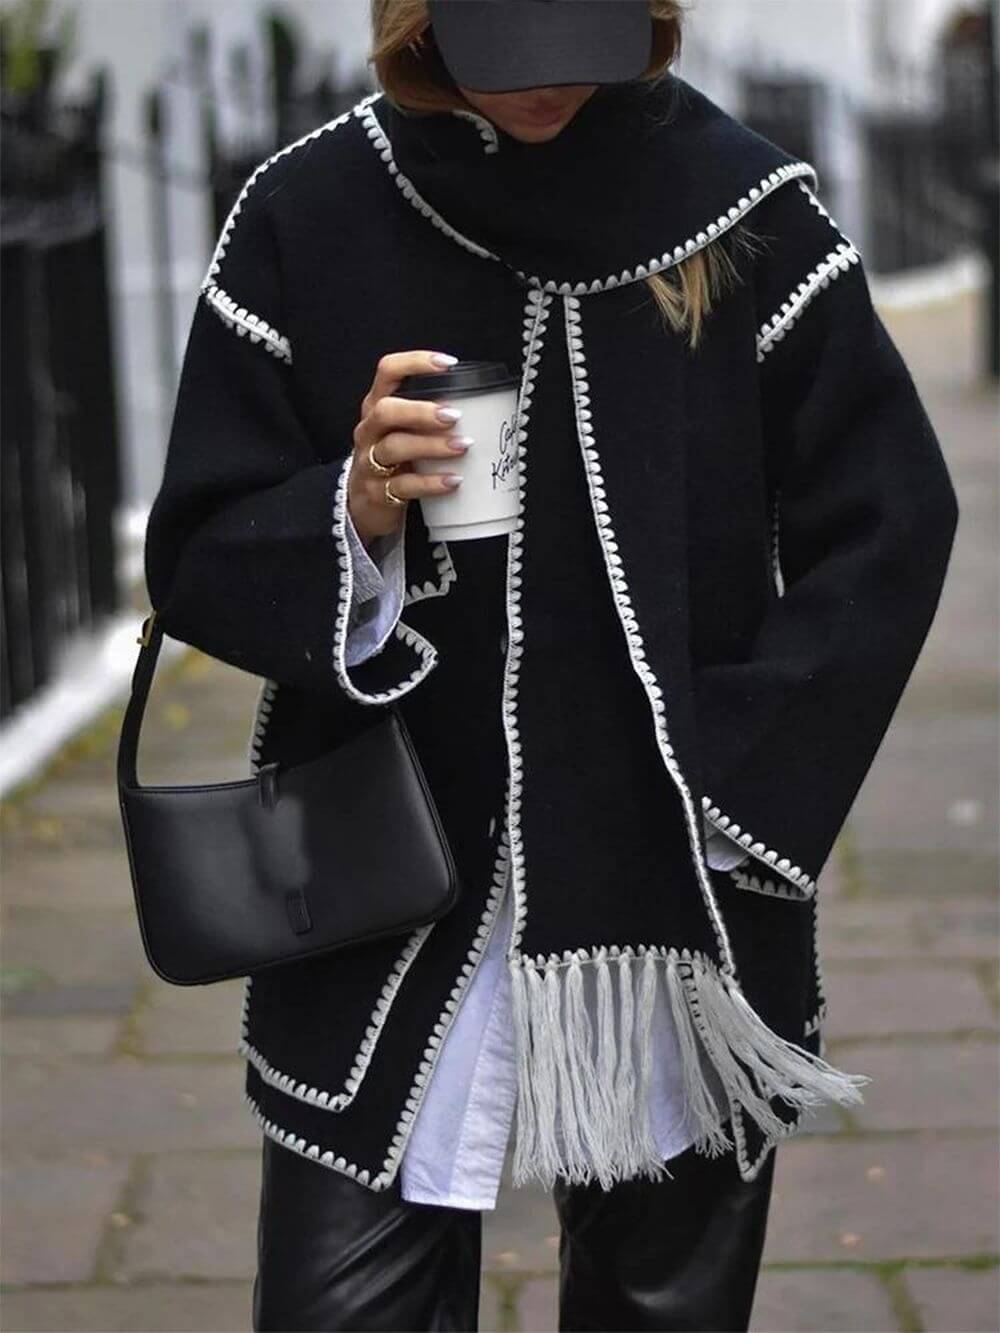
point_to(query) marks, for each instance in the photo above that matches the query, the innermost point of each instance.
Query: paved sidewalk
(131, 1166)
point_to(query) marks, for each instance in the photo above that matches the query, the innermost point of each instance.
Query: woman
(644, 715)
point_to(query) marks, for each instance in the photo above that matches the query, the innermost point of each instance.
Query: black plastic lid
(465, 378)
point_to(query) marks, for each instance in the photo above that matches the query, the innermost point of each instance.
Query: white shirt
(458, 1139)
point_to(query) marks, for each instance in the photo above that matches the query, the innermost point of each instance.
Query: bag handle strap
(142, 676)
(150, 638)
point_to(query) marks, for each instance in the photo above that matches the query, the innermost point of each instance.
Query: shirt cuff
(368, 578)
(721, 851)
(378, 589)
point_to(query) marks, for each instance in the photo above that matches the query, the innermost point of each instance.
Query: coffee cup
(486, 504)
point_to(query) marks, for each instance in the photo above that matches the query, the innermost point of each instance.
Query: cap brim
(494, 47)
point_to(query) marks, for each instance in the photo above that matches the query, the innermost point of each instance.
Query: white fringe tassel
(583, 1086)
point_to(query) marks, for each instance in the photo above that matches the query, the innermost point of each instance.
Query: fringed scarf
(614, 903)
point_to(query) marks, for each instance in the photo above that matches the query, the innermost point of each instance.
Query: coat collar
(643, 176)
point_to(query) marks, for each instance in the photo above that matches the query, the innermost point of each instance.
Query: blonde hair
(413, 75)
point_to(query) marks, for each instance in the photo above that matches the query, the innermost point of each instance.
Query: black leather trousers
(679, 1254)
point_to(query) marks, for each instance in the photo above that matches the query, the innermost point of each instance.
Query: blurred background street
(130, 1163)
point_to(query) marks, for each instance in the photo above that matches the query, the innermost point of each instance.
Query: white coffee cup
(486, 504)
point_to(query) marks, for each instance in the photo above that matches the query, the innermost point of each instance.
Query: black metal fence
(59, 431)
(929, 151)
(59, 442)
(789, 110)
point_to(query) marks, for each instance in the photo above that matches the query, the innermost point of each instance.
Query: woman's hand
(401, 429)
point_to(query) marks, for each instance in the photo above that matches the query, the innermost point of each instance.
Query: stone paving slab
(803, 1301)
(190, 1217)
(42, 875)
(217, 1307)
(887, 871)
(928, 771)
(927, 1084)
(959, 928)
(54, 1216)
(813, 1300)
(953, 1300)
(885, 1197)
(901, 997)
(954, 927)
(188, 1020)
(124, 1106)
(54, 1038)
(830, 882)
(40, 1000)
(70, 947)
(820, 1300)
(56, 823)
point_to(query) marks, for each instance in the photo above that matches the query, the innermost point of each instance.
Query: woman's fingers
(404, 420)
(411, 485)
(398, 447)
(393, 367)
(402, 430)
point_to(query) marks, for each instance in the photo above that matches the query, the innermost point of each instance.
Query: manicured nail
(443, 359)
(449, 413)
(460, 442)
(452, 479)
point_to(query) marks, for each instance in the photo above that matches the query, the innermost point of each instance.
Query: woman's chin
(537, 133)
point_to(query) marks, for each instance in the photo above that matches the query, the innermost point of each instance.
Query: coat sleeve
(246, 548)
(864, 518)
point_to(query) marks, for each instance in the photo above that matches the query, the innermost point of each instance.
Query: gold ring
(378, 467)
(393, 499)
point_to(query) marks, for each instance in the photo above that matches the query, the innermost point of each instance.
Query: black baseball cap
(497, 46)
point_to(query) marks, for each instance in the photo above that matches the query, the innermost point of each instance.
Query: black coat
(782, 520)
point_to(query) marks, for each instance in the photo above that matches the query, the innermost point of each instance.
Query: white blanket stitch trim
(704, 1001)
(810, 194)
(404, 1125)
(246, 324)
(766, 854)
(774, 329)
(447, 575)
(771, 888)
(431, 1051)
(420, 645)
(623, 604)
(285, 1082)
(223, 241)
(381, 144)
(487, 130)
(749, 1170)
(694, 243)
(311, 1150)
(815, 1023)
(537, 307)
(228, 309)
(261, 718)
(776, 178)
(336, 1101)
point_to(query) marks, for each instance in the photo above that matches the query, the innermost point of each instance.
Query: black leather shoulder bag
(298, 860)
